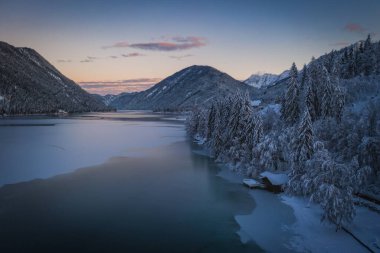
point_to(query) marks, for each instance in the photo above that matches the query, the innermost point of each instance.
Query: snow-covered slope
(195, 85)
(266, 79)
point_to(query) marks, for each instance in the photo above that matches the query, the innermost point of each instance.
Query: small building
(274, 181)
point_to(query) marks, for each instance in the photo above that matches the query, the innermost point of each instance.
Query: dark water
(169, 199)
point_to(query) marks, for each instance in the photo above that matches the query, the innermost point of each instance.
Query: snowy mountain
(29, 84)
(266, 79)
(195, 85)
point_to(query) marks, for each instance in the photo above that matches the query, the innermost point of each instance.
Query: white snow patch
(200, 140)
(256, 102)
(314, 236)
(271, 107)
(56, 77)
(30, 56)
(180, 76)
(150, 94)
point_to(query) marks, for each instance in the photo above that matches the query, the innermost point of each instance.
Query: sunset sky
(116, 46)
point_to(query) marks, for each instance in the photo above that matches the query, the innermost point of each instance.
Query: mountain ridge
(29, 84)
(189, 87)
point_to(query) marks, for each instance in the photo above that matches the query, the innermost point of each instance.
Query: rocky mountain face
(192, 86)
(29, 85)
(266, 79)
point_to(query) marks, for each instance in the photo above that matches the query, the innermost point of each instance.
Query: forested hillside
(326, 135)
(29, 84)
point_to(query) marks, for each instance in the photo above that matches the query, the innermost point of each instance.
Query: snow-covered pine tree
(332, 184)
(201, 130)
(258, 130)
(327, 97)
(368, 58)
(192, 122)
(267, 154)
(313, 100)
(351, 68)
(302, 146)
(237, 133)
(290, 107)
(303, 142)
(310, 102)
(234, 116)
(216, 143)
(249, 139)
(339, 102)
(210, 121)
(246, 112)
(304, 77)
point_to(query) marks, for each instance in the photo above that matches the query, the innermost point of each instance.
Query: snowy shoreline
(297, 224)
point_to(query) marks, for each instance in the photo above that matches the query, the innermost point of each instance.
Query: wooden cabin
(274, 181)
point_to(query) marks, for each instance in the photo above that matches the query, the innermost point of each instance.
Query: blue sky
(128, 45)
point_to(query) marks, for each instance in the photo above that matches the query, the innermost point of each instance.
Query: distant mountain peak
(191, 86)
(262, 80)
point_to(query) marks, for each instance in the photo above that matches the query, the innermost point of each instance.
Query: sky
(128, 45)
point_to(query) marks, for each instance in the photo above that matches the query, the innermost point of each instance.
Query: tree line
(326, 136)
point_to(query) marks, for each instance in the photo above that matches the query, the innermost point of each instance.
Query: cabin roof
(275, 178)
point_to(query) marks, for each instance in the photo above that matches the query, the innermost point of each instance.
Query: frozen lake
(113, 182)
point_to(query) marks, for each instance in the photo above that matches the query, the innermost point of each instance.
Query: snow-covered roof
(275, 179)
(256, 102)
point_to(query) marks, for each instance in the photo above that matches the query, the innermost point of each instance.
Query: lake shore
(297, 224)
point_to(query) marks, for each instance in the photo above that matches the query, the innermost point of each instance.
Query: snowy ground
(281, 223)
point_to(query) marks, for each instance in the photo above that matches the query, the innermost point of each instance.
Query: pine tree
(290, 107)
(202, 124)
(339, 102)
(216, 143)
(210, 121)
(351, 68)
(303, 143)
(302, 151)
(313, 100)
(332, 184)
(327, 97)
(304, 77)
(310, 105)
(192, 122)
(234, 117)
(258, 129)
(368, 58)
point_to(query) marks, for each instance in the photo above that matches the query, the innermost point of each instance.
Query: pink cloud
(340, 44)
(353, 27)
(132, 55)
(116, 87)
(173, 44)
(180, 57)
